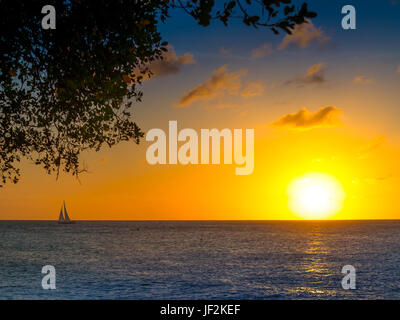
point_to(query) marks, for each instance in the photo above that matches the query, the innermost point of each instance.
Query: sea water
(200, 259)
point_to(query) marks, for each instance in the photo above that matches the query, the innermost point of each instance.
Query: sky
(322, 100)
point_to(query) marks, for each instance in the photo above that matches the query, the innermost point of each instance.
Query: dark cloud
(169, 65)
(262, 51)
(314, 75)
(220, 84)
(328, 116)
(304, 35)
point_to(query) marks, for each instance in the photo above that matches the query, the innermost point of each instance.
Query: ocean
(200, 259)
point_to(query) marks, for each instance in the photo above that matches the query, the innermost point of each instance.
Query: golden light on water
(315, 195)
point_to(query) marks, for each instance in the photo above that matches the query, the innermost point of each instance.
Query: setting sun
(315, 196)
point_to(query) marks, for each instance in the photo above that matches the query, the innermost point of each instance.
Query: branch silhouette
(73, 89)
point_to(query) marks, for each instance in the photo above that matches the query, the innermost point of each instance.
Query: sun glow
(315, 196)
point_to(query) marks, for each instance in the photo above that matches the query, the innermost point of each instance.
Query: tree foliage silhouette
(72, 89)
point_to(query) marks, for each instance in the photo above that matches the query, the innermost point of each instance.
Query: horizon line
(199, 220)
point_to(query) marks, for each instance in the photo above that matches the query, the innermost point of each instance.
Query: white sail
(65, 213)
(61, 218)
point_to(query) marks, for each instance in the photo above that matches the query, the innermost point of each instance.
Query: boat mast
(65, 213)
(61, 218)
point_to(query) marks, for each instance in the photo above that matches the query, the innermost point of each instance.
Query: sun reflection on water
(315, 266)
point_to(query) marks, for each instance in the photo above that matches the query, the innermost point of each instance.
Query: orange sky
(121, 185)
(322, 101)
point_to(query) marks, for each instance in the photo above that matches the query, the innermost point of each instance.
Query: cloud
(170, 64)
(314, 75)
(252, 89)
(363, 80)
(303, 35)
(325, 117)
(224, 106)
(262, 51)
(371, 180)
(220, 84)
(371, 146)
(224, 51)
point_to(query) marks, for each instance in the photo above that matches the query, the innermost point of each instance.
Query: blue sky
(377, 28)
(373, 51)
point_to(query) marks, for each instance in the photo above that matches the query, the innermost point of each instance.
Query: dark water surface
(200, 260)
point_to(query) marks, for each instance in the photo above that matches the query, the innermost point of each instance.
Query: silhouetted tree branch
(72, 89)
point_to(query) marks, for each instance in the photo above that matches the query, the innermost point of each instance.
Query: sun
(315, 195)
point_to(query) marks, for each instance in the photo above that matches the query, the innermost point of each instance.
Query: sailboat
(64, 218)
